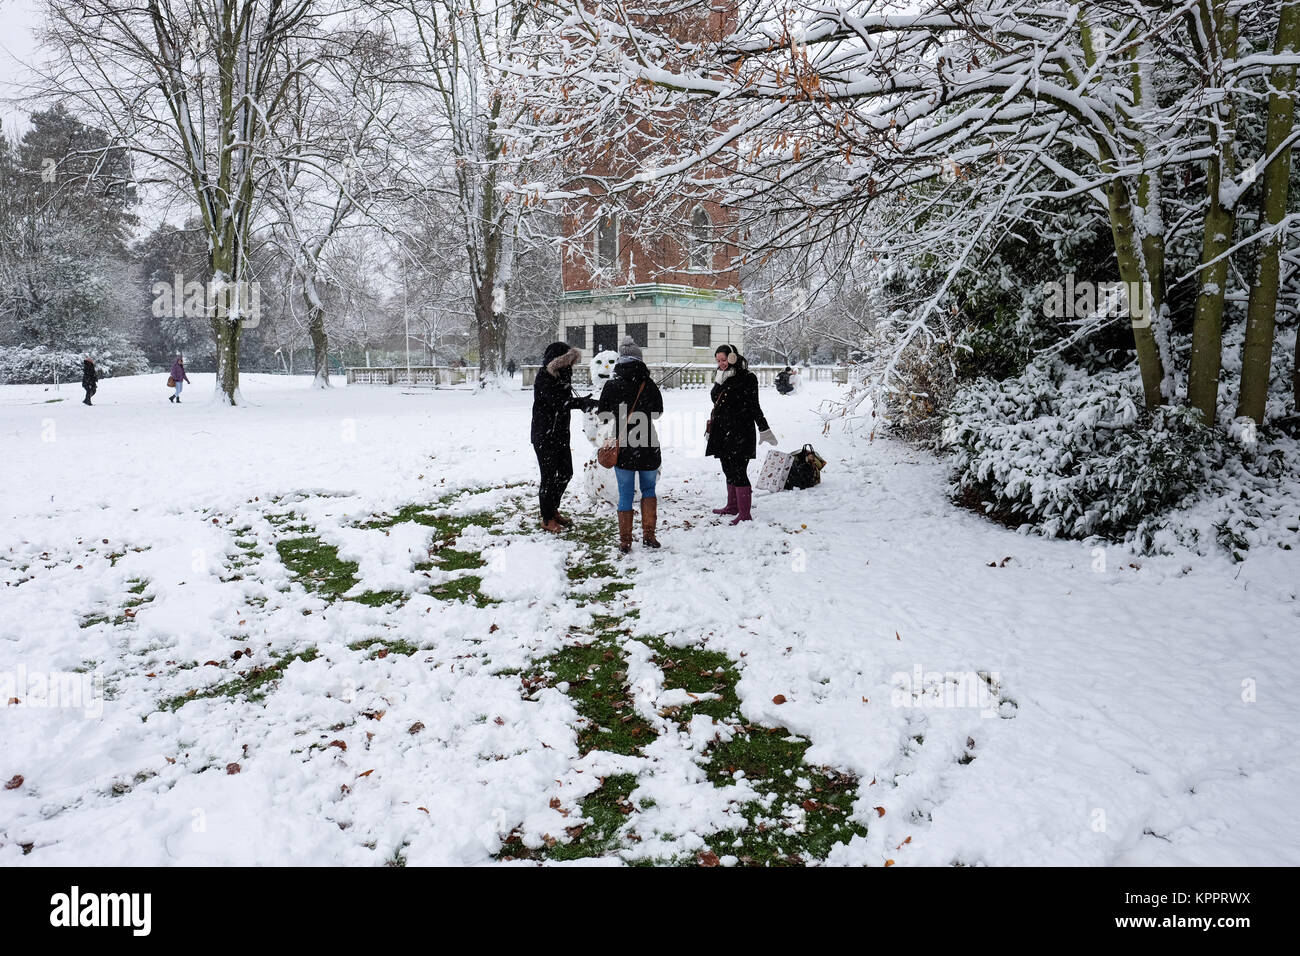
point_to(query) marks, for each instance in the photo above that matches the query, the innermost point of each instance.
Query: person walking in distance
(89, 379)
(178, 378)
(731, 425)
(633, 401)
(553, 400)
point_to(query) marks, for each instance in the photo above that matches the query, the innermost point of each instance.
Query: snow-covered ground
(1131, 711)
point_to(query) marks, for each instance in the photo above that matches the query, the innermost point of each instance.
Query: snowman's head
(602, 368)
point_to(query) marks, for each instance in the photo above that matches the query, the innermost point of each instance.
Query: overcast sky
(17, 49)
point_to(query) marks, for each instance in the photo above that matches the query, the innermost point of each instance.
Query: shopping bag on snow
(805, 469)
(776, 468)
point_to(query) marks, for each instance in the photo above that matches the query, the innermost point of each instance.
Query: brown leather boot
(625, 531)
(649, 517)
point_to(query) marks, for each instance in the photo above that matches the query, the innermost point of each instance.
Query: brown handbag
(607, 453)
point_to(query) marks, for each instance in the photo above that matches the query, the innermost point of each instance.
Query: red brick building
(667, 277)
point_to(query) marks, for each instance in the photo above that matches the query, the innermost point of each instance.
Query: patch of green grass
(605, 811)
(699, 671)
(609, 624)
(318, 566)
(253, 685)
(799, 824)
(774, 839)
(398, 646)
(448, 526)
(379, 598)
(596, 673)
(452, 559)
(611, 590)
(467, 587)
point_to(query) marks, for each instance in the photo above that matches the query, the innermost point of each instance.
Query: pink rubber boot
(744, 496)
(730, 508)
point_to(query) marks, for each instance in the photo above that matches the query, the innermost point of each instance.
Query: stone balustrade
(669, 376)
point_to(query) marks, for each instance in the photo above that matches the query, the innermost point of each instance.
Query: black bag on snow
(805, 469)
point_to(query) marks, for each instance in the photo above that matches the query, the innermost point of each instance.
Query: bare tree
(336, 150)
(194, 88)
(457, 51)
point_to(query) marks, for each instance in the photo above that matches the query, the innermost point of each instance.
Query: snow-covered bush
(1071, 453)
(113, 355)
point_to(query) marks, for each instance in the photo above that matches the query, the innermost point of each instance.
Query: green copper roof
(659, 293)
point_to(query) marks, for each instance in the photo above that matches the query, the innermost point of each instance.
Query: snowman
(601, 485)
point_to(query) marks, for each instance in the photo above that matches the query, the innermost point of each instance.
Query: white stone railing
(701, 376)
(427, 375)
(672, 376)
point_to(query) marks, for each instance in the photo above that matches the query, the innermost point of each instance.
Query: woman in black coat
(89, 379)
(553, 400)
(735, 415)
(632, 401)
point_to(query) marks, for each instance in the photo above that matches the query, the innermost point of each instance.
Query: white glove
(767, 436)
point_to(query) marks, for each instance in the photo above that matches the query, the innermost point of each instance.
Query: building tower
(675, 290)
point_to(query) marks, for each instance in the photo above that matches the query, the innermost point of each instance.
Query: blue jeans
(627, 488)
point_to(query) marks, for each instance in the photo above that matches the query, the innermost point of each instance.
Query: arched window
(701, 253)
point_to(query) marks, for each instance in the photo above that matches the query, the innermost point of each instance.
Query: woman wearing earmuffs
(735, 415)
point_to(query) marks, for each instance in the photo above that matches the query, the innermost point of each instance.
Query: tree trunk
(1150, 216)
(227, 336)
(489, 297)
(1261, 312)
(1207, 329)
(320, 344)
(491, 333)
(1134, 269)
(1134, 276)
(226, 326)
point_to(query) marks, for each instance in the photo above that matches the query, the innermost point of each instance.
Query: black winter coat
(735, 413)
(638, 440)
(89, 377)
(553, 400)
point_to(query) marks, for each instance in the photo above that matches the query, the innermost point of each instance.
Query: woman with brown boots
(633, 401)
(731, 425)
